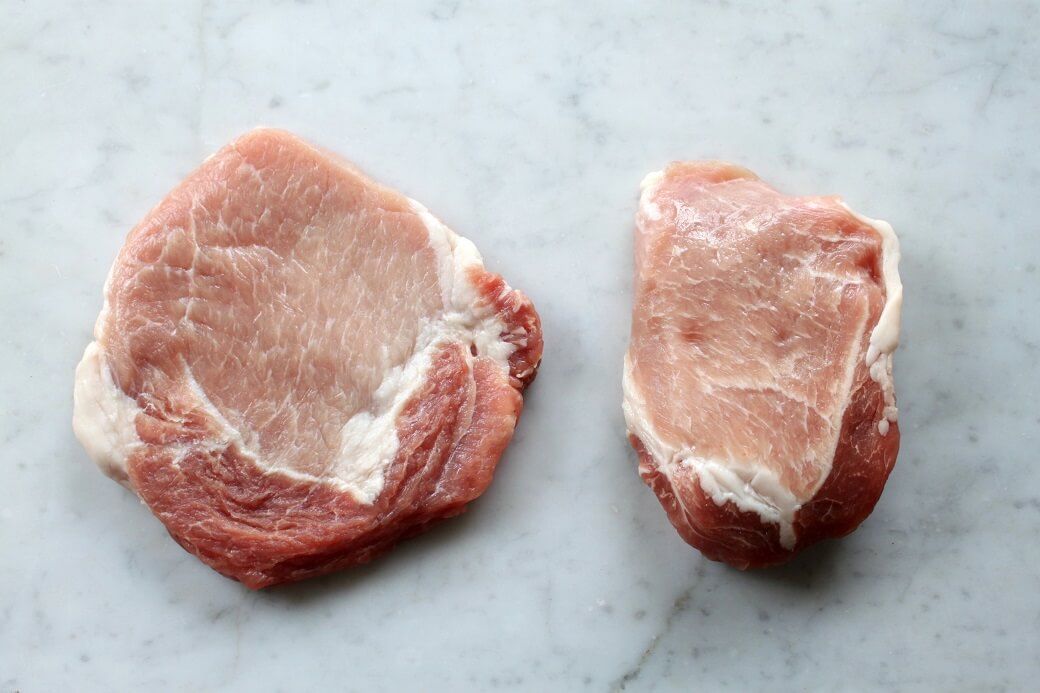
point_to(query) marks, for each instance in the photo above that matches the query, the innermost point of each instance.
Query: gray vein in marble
(680, 606)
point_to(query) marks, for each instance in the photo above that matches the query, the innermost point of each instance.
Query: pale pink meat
(297, 367)
(761, 421)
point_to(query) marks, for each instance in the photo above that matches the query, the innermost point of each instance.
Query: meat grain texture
(758, 386)
(296, 367)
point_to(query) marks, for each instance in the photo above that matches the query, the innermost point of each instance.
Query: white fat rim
(103, 416)
(884, 338)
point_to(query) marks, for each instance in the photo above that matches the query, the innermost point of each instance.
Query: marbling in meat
(758, 385)
(296, 367)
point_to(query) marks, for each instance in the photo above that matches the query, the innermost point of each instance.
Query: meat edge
(103, 416)
(760, 499)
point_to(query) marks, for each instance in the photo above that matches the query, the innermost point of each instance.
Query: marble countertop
(527, 127)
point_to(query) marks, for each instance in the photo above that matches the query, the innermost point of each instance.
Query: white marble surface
(527, 127)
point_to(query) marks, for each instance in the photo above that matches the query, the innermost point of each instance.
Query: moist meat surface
(763, 419)
(296, 367)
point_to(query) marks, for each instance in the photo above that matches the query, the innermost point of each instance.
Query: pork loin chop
(296, 367)
(758, 387)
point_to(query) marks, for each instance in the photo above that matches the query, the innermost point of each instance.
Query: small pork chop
(296, 367)
(758, 381)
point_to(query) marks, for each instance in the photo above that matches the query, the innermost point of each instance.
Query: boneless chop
(758, 380)
(296, 367)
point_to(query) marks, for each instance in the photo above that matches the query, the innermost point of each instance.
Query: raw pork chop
(758, 380)
(296, 367)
